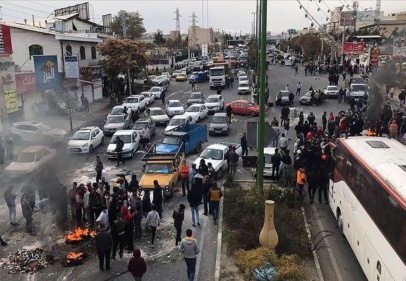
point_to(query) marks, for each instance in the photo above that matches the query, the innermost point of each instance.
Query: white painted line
(219, 238)
(330, 252)
(201, 242)
(315, 257)
(65, 274)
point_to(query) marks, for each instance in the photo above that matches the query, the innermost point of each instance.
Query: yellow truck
(163, 167)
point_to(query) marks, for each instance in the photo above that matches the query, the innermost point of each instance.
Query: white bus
(367, 195)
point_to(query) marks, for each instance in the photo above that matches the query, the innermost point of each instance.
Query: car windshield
(193, 109)
(156, 112)
(172, 140)
(117, 110)
(139, 125)
(124, 138)
(131, 100)
(243, 85)
(174, 104)
(81, 136)
(195, 96)
(26, 157)
(219, 119)
(158, 168)
(284, 94)
(115, 119)
(212, 100)
(268, 159)
(358, 87)
(44, 128)
(147, 95)
(332, 88)
(214, 154)
(177, 122)
(216, 72)
(154, 89)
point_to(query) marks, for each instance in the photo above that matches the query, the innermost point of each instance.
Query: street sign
(71, 65)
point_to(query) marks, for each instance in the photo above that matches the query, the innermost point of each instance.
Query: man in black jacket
(157, 198)
(104, 242)
(119, 150)
(276, 162)
(178, 217)
(95, 204)
(10, 199)
(194, 197)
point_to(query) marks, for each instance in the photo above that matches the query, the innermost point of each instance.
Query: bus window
(401, 246)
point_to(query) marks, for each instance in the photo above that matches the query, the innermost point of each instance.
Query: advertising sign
(374, 58)
(25, 83)
(347, 19)
(354, 47)
(46, 72)
(11, 101)
(71, 64)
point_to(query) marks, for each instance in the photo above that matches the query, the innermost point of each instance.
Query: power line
(25, 8)
(43, 4)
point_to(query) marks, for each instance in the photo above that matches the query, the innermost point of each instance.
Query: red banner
(354, 47)
(374, 58)
(25, 83)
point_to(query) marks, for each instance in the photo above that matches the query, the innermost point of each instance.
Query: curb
(219, 239)
(309, 236)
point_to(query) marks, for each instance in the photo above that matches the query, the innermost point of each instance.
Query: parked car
(178, 120)
(161, 81)
(157, 91)
(131, 141)
(85, 140)
(306, 98)
(331, 92)
(181, 77)
(141, 123)
(32, 161)
(197, 112)
(195, 97)
(282, 98)
(174, 107)
(243, 88)
(137, 103)
(219, 124)
(244, 107)
(214, 103)
(37, 132)
(115, 123)
(149, 97)
(158, 115)
(117, 110)
(268, 153)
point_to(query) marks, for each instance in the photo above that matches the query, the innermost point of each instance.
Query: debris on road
(26, 261)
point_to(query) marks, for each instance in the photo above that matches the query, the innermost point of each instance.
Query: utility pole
(378, 14)
(192, 39)
(342, 42)
(261, 119)
(355, 7)
(124, 26)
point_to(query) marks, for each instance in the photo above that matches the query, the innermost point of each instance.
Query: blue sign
(46, 72)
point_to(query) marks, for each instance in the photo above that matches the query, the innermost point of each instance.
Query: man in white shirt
(145, 136)
(298, 88)
(103, 217)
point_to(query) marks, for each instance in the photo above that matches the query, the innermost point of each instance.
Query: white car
(177, 72)
(32, 161)
(131, 141)
(37, 132)
(117, 110)
(268, 153)
(157, 91)
(178, 120)
(214, 103)
(137, 103)
(197, 112)
(331, 92)
(243, 78)
(174, 107)
(215, 154)
(167, 75)
(115, 123)
(85, 140)
(158, 115)
(243, 88)
(149, 97)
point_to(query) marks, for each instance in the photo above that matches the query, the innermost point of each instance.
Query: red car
(244, 107)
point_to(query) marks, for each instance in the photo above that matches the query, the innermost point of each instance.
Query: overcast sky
(233, 16)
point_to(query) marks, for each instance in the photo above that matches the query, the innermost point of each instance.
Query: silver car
(115, 123)
(37, 132)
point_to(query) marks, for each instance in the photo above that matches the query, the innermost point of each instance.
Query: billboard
(46, 72)
(5, 40)
(354, 47)
(11, 101)
(347, 19)
(81, 9)
(25, 83)
(71, 66)
(374, 57)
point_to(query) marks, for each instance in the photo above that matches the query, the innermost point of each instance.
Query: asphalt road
(164, 262)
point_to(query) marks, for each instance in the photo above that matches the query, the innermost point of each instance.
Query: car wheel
(251, 114)
(132, 154)
(90, 149)
(198, 119)
(199, 147)
(102, 141)
(220, 173)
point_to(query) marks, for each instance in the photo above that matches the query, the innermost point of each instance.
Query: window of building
(68, 50)
(82, 53)
(35, 50)
(93, 52)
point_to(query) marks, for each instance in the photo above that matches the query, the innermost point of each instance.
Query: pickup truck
(358, 91)
(198, 77)
(215, 154)
(189, 136)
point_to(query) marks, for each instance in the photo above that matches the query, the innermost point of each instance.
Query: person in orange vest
(184, 175)
(301, 180)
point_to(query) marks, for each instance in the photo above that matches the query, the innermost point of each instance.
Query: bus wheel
(340, 222)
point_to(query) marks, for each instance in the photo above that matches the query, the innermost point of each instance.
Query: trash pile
(26, 261)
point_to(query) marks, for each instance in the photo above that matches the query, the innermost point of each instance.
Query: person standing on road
(178, 217)
(276, 162)
(10, 199)
(233, 156)
(153, 222)
(324, 120)
(145, 136)
(99, 169)
(137, 266)
(244, 145)
(301, 180)
(189, 249)
(119, 150)
(157, 198)
(298, 88)
(193, 86)
(163, 97)
(229, 112)
(104, 242)
(194, 198)
(27, 213)
(184, 175)
(215, 196)
(291, 98)
(192, 174)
